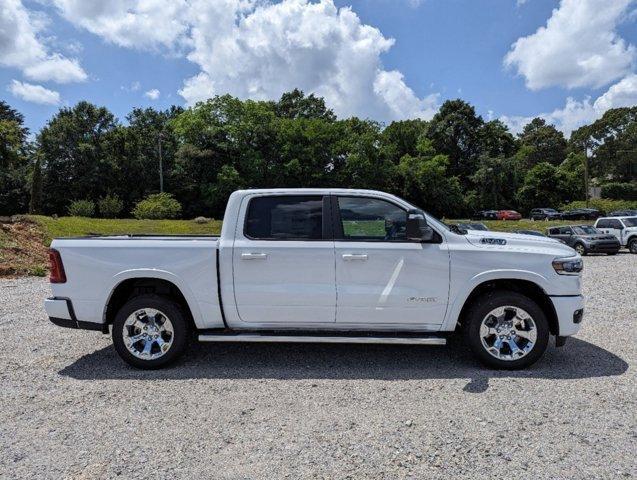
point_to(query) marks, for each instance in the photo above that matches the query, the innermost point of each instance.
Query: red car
(508, 215)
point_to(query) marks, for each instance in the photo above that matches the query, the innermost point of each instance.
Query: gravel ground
(71, 409)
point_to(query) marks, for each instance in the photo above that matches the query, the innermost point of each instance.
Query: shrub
(620, 191)
(82, 208)
(604, 204)
(157, 206)
(110, 206)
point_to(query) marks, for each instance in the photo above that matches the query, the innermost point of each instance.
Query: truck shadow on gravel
(578, 359)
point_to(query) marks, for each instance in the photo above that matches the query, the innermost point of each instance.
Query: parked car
(623, 228)
(582, 214)
(545, 214)
(486, 215)
(530, 232)
(623, 213)
(585, 239)
(321, 266)
(473, 226)
(508, 215)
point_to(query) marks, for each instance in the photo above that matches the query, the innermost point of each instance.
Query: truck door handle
(254, 256)
(348, 257)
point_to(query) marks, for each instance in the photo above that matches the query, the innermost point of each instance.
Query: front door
(283, 261)
(381, 277)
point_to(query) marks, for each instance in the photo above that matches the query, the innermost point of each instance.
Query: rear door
(381, 277)
(283, 261)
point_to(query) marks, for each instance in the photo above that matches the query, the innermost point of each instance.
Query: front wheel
(150, 331)
(580, 248)
(506, 330)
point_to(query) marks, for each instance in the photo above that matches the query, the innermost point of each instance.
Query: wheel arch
(527, 288)
(130, 286)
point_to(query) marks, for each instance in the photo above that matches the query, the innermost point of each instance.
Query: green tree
(13, 161)
(35, 202)
(456, 131)
(401, 138)
(496, 182)
(545, 185)
(425, 181)
(74, 147)
(547, 144)
(296, 104)
(613, 143)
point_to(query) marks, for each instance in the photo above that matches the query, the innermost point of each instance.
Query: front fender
(462, 293)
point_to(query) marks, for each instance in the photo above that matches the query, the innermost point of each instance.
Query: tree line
(452, 165)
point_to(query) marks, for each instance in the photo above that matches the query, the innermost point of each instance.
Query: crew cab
(623, 228)
(320, 265)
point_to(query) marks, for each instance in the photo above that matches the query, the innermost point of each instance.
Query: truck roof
(312, 191)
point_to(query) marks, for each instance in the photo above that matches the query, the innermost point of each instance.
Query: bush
(620, 191)
(82, 208)
(157, 207)
(604, 204)
(110, 206)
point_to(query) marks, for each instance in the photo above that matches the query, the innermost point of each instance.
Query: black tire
(632, 245)
(491, 301)
(180, 327)
(581, 249)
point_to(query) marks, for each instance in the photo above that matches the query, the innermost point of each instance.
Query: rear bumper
(60, 312)
(570, 312)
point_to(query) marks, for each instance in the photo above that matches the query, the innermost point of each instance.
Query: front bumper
(570, 311)
(603, 247)
(61, 313)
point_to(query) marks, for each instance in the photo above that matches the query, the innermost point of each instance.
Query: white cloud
(21, 47)
(34, 93)
(578, 47)
(259, 49)
(576, 113)
(153, 94)
(136, 24)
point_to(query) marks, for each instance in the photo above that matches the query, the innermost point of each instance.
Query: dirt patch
(23, 250)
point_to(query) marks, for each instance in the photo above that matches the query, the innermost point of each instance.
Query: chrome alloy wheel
(148, 333)
(508, 333)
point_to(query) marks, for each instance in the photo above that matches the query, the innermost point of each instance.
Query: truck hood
(598, 236)
(518, 241)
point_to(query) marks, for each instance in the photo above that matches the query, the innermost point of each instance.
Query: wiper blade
(458, 230)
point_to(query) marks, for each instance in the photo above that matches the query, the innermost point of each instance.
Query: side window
(371, 219)
(554, 231)
(615, 224)
(287, 217)
(603, 224)
(566, 230)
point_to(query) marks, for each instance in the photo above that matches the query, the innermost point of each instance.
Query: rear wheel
(580, 248)
(506, 330)
(632, 245)
(150, 331)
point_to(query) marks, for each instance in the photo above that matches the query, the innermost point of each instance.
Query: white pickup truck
(320, 265)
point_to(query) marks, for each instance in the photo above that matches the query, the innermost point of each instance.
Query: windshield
(585, 230)
(630, 222)
(430, 217)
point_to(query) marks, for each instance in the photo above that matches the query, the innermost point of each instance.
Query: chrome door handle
(254, 256)
(348, 257)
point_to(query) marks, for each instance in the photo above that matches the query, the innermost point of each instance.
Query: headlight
(568, 266)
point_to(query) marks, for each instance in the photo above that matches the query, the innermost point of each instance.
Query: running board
(252, 337)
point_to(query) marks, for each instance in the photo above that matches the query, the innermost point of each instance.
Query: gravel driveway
(71, 409)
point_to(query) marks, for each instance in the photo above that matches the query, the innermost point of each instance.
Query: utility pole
(586, 152)
(161, 167)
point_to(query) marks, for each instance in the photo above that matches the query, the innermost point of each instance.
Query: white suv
(624, 228)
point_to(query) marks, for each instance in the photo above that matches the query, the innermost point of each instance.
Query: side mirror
(417, 229)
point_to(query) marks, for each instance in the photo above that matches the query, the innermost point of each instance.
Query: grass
(78, 226)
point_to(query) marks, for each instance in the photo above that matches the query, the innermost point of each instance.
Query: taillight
(57, 268)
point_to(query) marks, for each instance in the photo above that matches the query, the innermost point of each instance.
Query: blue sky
(383, 59)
